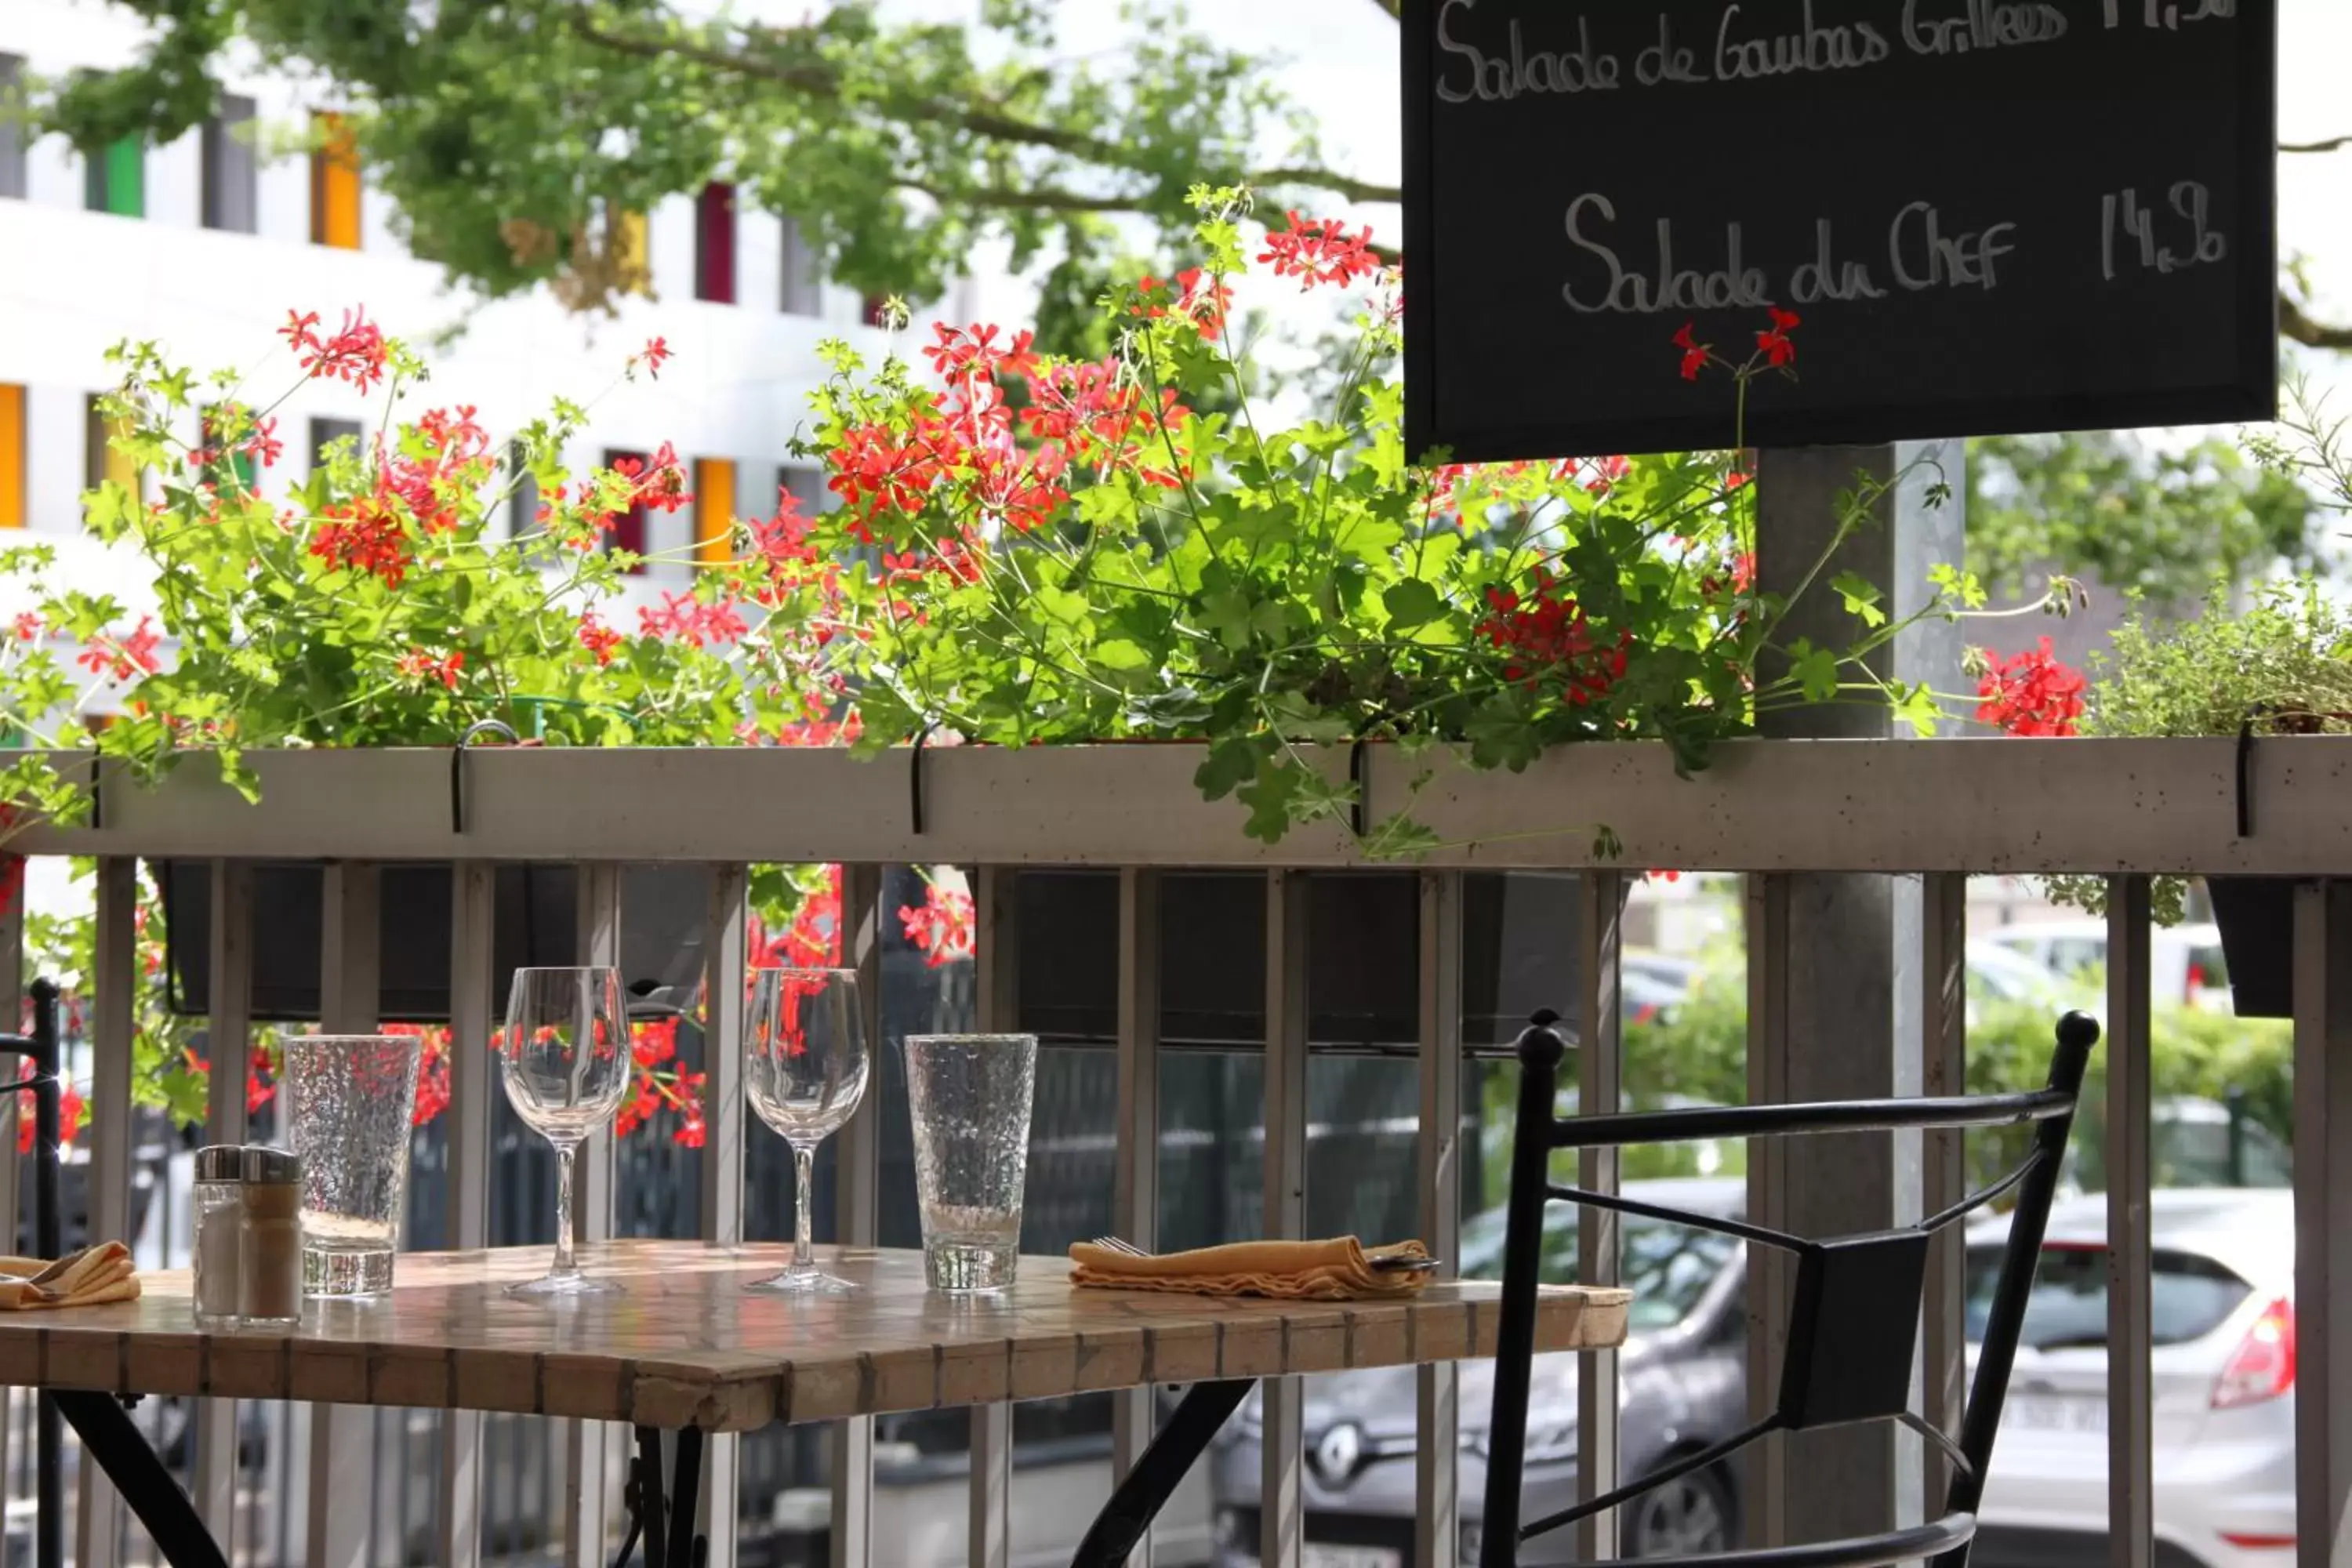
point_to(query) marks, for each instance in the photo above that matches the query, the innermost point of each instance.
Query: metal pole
(227, 1033)
(342, 1437)
(473, 900)
(857, 1160)
(1135, 1198)
(2322, 1220)
(1599, 1074)
(2131, 1538)
(1437, 1415)
(998, 945)
(725, 953)
(1282, 1521)
(48, 1223)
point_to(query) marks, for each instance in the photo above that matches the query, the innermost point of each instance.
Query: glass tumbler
(350, 1102)
(970, 1097)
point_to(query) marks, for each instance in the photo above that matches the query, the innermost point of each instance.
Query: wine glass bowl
(804, 1072)
(565, 1056)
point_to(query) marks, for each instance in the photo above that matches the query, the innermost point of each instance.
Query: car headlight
(1552, 1439)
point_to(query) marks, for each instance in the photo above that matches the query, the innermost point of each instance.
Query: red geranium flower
(2031, 693)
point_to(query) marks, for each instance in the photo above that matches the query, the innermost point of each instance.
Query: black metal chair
(1852, 1327)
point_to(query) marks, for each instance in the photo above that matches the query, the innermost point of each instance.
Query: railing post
(998, 938)
(857, 1165)
(2322, 1220)
(1282, 1520)
(1770, 1278)
(1600, 1079)
(2130, 1262)
(724, 986)
(227, 1036)
(1135, 1196)
(12, 994)
(342, 1437)
(473, 1010)
(113, 1022)
(587, 1477)
(1437, 1416)
(1943, 1172)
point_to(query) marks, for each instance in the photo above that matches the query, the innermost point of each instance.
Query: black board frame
(2252, 399)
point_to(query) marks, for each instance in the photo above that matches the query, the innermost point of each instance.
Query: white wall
(73, 282)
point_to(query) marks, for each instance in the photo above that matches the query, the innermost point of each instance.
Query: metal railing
(1783, 812)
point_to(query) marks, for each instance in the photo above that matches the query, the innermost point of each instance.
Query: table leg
(665, 1517)
(651, 1503)
(1127, 1518)
(109, 1438)
(684, 1491)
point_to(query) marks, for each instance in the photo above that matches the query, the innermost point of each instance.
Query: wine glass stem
(564, 1261)
(803, 1178)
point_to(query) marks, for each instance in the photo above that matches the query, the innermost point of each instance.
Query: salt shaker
(219, 1199)
(270, 1257)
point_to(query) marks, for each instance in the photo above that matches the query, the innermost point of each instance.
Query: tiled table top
(687, 1346)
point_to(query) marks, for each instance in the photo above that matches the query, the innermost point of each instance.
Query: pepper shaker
(218, 1195)
(270, 1258)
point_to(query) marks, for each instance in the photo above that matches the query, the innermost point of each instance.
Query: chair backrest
(1854, 1322)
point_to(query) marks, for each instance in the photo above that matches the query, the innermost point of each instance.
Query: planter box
(665, 910)
(1519, 942)
(2256, 915)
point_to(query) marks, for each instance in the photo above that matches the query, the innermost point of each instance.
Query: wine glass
(566, 1057)
(804, 1069)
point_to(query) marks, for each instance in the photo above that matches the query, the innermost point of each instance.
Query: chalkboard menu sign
(1988, 214)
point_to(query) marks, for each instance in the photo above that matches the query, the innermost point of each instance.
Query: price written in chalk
(2171, 14)
(2128, 231)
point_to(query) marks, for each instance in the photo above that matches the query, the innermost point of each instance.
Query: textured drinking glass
(804, 1072)
(564, 1052)
(349, 1103)
(970, 1095)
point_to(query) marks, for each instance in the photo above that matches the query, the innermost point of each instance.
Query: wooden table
(686, 1349)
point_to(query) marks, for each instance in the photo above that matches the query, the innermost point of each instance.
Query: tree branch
(1393, 7)
(2297, 327)
(2330, 145)
(1347, 186)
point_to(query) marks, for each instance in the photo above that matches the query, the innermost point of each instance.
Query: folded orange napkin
(1340, 1269)
(86, 1278)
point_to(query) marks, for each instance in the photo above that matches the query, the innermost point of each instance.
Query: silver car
(2224, 1397)
(1683, 1380)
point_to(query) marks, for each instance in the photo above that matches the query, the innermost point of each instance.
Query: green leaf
(1411, 602)
(1814, 670)
(1862, 597)
(1120, 653)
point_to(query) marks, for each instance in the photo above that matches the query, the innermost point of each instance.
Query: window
(633, 254)
(628, 531)
(12, 456)
(523, 500)
(714, 244)
(804, 292)
(807, 486)
(101, 461)
(325, 433)
(714, 510)
(229, 180)
(335, 184)
(114, 178)
(12, 135)
(2190, 1295)
(1669, 1267)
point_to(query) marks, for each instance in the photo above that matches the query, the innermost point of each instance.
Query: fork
(1383, 1264)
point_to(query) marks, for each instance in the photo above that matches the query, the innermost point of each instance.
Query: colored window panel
(714, 244)
(12, 456)
(335, 185)
(714, 510)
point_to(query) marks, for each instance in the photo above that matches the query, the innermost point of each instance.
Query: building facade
(205, 244)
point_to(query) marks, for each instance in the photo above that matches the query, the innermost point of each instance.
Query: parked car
(2223, 1399)
(2185, 963)
(1683, 1387)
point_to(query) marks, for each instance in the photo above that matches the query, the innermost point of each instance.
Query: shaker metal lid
(270, 1167)
(220, 1163)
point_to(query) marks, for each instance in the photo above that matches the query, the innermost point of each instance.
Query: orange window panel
(335, 185)
(714, 510)
(12, 456)
(631, 243)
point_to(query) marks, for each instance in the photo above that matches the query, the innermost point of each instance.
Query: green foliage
(2282, 661)
(2162, 524)
(1100, 552)
(1699, 1050)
